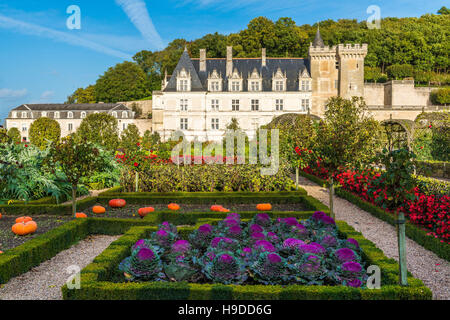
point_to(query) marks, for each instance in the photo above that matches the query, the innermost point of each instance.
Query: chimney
(263, 57)
(203, 60)
(229, 61)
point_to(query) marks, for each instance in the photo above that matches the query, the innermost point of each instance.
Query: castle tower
(324, 73)
(351, 69)
(335, 71)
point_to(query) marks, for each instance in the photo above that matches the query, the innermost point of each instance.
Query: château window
(14, 114)
(83, 115)
(215, 124)
(305, 85)
(183, 85)
(24, 115)
(70, 115)
(214, 86)
(114, 114)
(305, 104)
(24, 128)
(254, 86)
(235, 105)
(183, 123)
(235, 86)
(124, 114)
(124, 126)
(43, 114)
(56, 115)
(255, 104)
(70, 127)
(279, 104)
(183, 104)
(215, 104)
(279, 85)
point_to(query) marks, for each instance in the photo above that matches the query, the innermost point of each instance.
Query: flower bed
(102, 279)
(428, 210)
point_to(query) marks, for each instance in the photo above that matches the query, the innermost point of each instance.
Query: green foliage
(209, 178)
(100, 128)
(124, 82)
(400, 71)
(130, 139)
(373, 74)
(86, 95)
(24, 175)
(444, 11)
(107, 176)
(347, 137)
(136, 109)
(440, 142)
(441, 96)
(397, 177)
(44, 131)
(14, 134)
(150, 140)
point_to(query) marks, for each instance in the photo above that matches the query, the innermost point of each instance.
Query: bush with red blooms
(428, 211)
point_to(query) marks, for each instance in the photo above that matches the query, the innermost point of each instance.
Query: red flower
(136, 164)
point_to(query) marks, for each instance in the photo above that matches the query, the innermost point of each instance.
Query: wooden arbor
(398, 133)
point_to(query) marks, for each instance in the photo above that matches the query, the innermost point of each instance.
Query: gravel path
(44, 282)
(422, 263)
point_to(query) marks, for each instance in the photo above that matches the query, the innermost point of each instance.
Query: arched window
(114, 114)
(24, 115)
(124, 114)
(56, 115)
(70, 115)
(14, 114)
(83, 114)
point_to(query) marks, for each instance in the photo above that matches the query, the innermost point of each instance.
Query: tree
(398, 182)
(346, 137)
(441, 96)
(43, 131)
(124, 82)
(444, 11)
(150, 140)
(137, 110)
(100, 128)
(400, 71)
(77, 158)
(81, 95)
(130, 138)
(14, 134)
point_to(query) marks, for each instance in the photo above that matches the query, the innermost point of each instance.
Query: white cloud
(36, 30)
(47, 95)
(12, 94)
(136, 10)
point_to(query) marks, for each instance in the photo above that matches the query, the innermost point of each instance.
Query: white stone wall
(200, 114)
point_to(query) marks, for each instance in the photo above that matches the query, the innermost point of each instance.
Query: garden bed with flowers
(428, 216)
(236, 258)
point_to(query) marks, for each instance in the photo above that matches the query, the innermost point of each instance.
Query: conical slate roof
(318, 42)
(186, 63)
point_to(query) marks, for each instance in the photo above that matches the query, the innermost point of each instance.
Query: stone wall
(145, 105)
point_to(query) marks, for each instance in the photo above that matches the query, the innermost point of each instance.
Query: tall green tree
(44, 131)
(346, 138)
(130, 138)
(82, 95)
(14, 134)
(100, 128)
(124, 82)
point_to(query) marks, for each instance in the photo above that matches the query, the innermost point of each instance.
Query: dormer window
(14, 114)
(43, 114)
(235, 86)
(214, 81)
(56, 115)
(279, 81)
(305, 85)
(83, 114)
(304, 81)
(24, 115)
(114, 114)
(183, 81)
(124, 114)
(70, 115)
(235, 81)
(255, 81)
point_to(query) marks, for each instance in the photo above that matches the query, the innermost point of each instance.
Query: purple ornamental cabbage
(167, 226)
(345, 254)
(255, 228)
(224, 243)
(262, 219)
(351, 267)
(291, 243)
(143, 264)
(273, 237)
(257, 236)
(264, 245)
(313, 247)
(329, 241)
(269, 268)
(201, 238)
(181, 246)
(355, 283)
(225, 268)
(352, 244)
(318, 215)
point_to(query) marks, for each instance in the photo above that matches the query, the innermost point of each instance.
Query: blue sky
(42, 61)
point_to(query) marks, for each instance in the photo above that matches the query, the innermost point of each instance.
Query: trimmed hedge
(96, 278)
(50, 209)
(437, 169)
(413, 232)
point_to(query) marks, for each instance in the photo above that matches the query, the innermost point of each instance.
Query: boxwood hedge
(97, 279)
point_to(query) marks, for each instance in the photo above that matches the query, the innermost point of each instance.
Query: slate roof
(71, 107)
(318, 41)
(245, 66)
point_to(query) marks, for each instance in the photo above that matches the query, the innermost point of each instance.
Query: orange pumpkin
(1, 216)
(216, 208)
(117, 203)
(173, 207)
(1, 252)
(98, 210)
(224, 210)
(80, 215)
(145, 211)
(263, 207)
(24, 228)
(23, 219)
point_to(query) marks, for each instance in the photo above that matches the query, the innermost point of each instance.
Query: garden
(212, 229)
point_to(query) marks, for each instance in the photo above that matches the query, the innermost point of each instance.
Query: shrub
(441, 96)
(44, 131)
(400, 71)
